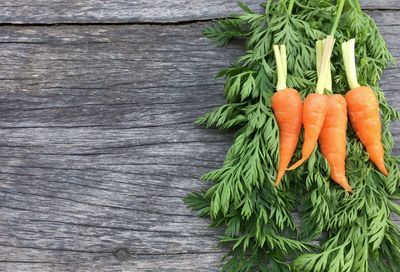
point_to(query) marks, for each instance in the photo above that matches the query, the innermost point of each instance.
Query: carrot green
(257, 219)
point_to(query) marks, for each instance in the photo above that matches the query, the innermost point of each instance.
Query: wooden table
(97, 142)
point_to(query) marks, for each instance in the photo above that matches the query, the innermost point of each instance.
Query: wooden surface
(97, 145)
(128, 11)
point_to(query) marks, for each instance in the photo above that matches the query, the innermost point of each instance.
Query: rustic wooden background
(97, 145)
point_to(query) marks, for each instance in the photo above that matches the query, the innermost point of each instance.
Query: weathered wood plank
(117, 261)
(120, 11)
(97, 145)
(381, 4)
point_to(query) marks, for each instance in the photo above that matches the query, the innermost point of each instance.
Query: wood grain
(97, 145)
(127, 11)
(98, 148)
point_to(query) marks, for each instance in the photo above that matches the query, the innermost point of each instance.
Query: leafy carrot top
(259, 230)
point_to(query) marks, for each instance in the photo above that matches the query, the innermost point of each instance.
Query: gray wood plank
(97, 146)
(380, 4)
(120, 11)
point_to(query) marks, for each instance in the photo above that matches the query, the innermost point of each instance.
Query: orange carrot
(287, 106)
(363, 108)
(314, 112)
(332, 140)
(316, 107)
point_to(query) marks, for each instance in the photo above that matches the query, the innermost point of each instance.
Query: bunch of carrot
(324, 117)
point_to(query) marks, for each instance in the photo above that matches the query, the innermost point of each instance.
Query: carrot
(314, 112)
(332, 140)
(363, 108)
(287, 106)
(316, 107)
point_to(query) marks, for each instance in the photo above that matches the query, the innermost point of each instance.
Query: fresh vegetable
(288, 108)
(316, 105)
(363, 107)
(314, 112)
(332, 139)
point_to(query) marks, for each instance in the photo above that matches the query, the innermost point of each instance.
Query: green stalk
(349, 61)
(302, 6)
(338, 15)
(326, 58)
(290, 7)
(281, 66)
(268, 7)
(358, 5)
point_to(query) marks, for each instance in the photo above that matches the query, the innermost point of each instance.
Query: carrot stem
(281, 66)
(326, 56)
(319, 48)
(325, 65)
(290, 7)
(338, 15)
(284, 60)
(349, 61)
(358, 5)
(268, 8)
(320, 45)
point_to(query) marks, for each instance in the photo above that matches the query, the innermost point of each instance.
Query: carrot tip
(385, 172)
(276, 184)
(278, 180)
(347, 188)
(297, 164)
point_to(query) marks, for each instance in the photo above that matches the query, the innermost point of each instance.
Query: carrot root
(333, 141)
(314, 112)
(287, 106)
(363, 108)
(297, 164)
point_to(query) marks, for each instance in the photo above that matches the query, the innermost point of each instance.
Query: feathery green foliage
(357, 232)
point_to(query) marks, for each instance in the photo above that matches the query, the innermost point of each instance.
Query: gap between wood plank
(177, 23)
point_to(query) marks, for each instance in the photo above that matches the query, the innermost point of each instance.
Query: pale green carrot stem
(284, 60)
(281, 68)
(319, 47)
(325, 65)
(349, 60)
(326, 56)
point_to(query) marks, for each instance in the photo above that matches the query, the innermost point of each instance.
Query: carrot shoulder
(287, 106)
